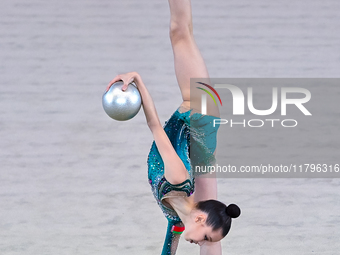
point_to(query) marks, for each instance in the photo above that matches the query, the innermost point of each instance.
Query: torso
(178, 130)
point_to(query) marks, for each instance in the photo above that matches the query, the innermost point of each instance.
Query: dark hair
(219, 215)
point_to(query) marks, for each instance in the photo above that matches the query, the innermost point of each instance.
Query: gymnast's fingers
(127, 81)
(117, 78)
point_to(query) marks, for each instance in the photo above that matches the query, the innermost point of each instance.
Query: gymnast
(186, 198)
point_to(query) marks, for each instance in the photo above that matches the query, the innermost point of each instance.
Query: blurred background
(73, 181)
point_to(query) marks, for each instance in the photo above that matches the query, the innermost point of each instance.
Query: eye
(205, 238)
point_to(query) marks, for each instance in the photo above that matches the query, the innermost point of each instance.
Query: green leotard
(193, 137)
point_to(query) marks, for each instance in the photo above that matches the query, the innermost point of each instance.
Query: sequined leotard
(185, 130)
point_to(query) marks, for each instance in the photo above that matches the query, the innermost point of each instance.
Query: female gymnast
(186, 198)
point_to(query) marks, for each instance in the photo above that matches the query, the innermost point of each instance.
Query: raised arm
(174, 169)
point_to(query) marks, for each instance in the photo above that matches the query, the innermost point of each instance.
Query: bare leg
(206, 188)
(190, 64)
(188, 60)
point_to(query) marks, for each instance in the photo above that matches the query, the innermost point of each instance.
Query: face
(198, 232)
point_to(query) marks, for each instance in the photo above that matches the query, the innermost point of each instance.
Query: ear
(201, 218)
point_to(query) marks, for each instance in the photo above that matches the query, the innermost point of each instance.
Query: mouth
(192, 241)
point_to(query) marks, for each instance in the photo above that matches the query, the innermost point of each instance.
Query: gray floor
(73, 181)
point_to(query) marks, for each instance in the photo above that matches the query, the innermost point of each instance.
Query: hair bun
(233, 211)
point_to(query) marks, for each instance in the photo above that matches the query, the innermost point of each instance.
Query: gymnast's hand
(126, 78)
(147, 102)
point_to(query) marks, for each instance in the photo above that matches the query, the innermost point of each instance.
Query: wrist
(135, 75)
(138, 79)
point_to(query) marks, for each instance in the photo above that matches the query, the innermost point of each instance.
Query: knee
(180, 31)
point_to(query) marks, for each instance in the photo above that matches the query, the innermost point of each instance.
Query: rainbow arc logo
(209, 93)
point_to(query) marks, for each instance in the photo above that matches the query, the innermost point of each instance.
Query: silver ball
(122, 105)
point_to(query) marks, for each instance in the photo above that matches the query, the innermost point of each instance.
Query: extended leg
(190, 64)
(206, 188)
(187, 57)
